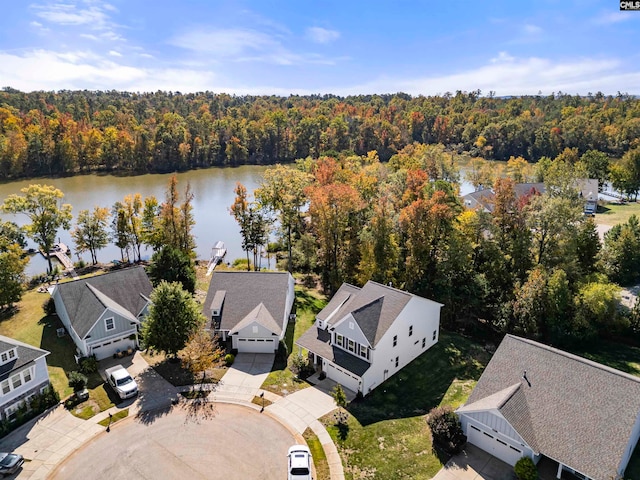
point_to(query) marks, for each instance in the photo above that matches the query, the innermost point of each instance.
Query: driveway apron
(244, 378)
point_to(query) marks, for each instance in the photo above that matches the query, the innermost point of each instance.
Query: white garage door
(256, 345)
(107, 349)
(343, 377)
(497, 447)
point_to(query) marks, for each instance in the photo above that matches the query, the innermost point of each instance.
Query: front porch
(549, 469)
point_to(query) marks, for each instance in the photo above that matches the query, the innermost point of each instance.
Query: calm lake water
(213, 189)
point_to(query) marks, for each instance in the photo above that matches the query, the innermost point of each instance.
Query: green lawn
(387, 435)
(281, 380)
(616, 355)
(319, 457)
(612, 213)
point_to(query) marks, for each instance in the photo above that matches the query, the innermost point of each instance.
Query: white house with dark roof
(540, 402)
(23, 374)
(250, 308)
(365, 335)
(102, 313)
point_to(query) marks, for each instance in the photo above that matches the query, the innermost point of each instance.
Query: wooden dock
(217, 254)
(60, 251)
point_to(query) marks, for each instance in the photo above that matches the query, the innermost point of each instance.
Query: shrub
(525, 469)
(229, 359)
(77, 381)
(88, 365)
(38, 404)
(49, 306)
(446, 429)
(301, 367)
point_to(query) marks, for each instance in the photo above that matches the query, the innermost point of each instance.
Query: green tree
(41, 203)
(253, 225)
(173, 316)
(173, 265)
(596, 164)
(621, 253)
(10, 233)
(597, 304)
(91, 234)
(282, 192)
(12, 278)
(625, 175)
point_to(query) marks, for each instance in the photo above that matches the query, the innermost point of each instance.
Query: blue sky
(511, 47)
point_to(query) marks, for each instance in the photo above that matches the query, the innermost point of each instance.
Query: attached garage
(255, 345)
(497, 446)
(343, 377)
(109, 348)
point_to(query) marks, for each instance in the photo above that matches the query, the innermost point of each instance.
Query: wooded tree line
(68, 132)
(534, 266)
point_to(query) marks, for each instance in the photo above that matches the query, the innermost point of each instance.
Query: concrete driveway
(247, 374)
(224, 441)
(475, 464)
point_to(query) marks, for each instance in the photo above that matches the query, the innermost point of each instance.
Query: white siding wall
(122, 325)
(349, 328)
(248, 332)
(496, 422)
(633, 440)
(424, 315)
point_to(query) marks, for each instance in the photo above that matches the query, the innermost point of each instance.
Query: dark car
(10, 463)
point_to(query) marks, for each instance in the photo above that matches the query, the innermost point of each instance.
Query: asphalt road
(215, 442)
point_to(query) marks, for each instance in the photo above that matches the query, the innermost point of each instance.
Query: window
(254, 329)
(513, 448)
(339, 339)
(490, 436)
(435, 333)
(410, 330)
(397, 361)
(352, 346)
(27, 375)
(475, 428)
(424, 342)
(109, 323)
(16, 381)
(5, 387)
(351, 325)
(395, 340)
(8, 355)
(364, 352)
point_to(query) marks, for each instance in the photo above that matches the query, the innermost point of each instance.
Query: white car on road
(299, 463)
(120, 380)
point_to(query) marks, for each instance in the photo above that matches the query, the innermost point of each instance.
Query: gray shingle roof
(26, 354)
(261, 316)
(345, 291)
(125, 288)
(576, 411)
(316, 340)
(374, 308)
(244, 292)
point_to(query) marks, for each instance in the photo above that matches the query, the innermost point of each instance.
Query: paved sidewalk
(51, 438)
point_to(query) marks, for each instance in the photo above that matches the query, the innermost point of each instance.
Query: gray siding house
(102, 314)
(540, 402)
(23, 373)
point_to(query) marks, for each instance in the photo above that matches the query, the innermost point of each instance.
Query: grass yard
(114, 418)
(281, 380)
(319, 457)
(616, 355)
(173, 372)
(614, 213)
(387, 435)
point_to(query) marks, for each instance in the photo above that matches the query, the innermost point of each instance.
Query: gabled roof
(374, 308)
(343, 294)
(244, 291)
(492, 402)
(26, 354)
(261, 316)
(575, 411)
(125, 291)
(481, 198)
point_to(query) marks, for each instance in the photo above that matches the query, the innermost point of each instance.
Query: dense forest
(68, 132)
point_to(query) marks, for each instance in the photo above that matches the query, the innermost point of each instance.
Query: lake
(213, 189)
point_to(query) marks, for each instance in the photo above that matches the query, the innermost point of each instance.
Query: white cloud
(610, 18)
(532, 29)
(35, 24)
(322, 35)
(113, 53)
(70, 14)
(507, 75)
(89, 36)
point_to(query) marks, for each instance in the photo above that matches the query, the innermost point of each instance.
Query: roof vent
(524, 377)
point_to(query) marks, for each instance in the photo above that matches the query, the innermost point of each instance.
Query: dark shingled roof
(316, 340)
(345, 291)
(244, 292)
(125, 289)
(576, 411)
(374, 308)
(26, 354)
